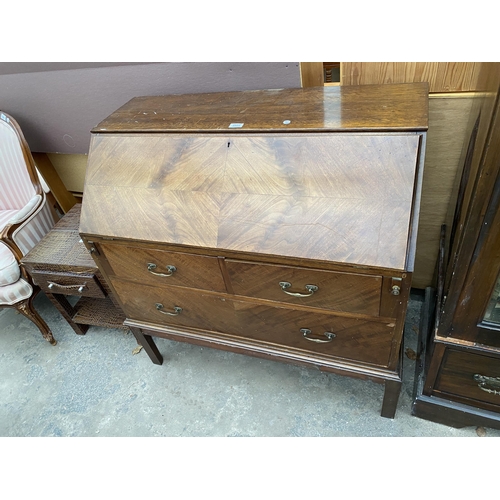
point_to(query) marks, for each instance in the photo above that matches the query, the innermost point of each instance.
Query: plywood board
(447, 137)
(58, 190)
(71, 170)
(311, 74)
(442, 76)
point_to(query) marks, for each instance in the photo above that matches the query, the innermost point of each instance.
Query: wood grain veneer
(357, 339)
(192, 271)
(442, 76)
(333, 197)
(347, 292)
(398, 107)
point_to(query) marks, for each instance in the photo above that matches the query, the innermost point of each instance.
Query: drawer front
(344, 292)
(158, 267)
(348, 338)
(85, 285)
(470, 375)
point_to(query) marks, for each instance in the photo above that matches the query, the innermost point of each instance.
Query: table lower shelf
(88, 311)
(98, 312)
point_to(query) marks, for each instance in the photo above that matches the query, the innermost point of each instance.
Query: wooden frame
(441, 76)
(460, 355)
(25, 306)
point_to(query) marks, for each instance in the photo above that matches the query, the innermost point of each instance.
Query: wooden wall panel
(446, 140)
(442, 76)
(58, 190)
(71, 170)
(311, 74)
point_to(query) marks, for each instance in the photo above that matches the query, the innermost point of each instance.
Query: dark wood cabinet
(458, 378)
(276, 223)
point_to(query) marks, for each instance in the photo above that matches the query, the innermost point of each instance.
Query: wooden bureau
(276, 223)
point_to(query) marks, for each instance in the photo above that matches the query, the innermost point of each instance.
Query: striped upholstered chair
(25, 217)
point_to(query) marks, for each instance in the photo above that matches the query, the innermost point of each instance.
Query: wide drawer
(159, 267)
(470, 375)
(81, 284)
(345, 292)
(349, 338)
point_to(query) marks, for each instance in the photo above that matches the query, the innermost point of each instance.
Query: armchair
(25, 217)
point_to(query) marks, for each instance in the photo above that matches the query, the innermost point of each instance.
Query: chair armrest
(26, 211)
(17, 221)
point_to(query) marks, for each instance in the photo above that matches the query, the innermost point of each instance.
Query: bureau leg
(391, 396)
(148, 344)
(67, 312)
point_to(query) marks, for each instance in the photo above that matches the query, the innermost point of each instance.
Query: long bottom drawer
(327, 334)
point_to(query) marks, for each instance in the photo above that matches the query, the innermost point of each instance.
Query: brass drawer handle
(177, 310)
(81, 288)
(329, 336)
(310, 288)
(492, 381)
(171, 270)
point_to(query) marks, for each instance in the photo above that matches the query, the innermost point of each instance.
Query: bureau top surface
(338, 197)
(374, 107)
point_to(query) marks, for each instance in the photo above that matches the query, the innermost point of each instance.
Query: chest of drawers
(276, 223)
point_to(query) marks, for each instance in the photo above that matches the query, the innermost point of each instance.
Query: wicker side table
(61, 266)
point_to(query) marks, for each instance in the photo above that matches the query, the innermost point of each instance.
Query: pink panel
(16, 188)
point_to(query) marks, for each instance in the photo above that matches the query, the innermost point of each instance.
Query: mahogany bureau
(276, 223)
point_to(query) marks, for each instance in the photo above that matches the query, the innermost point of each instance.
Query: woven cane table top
(62, 248)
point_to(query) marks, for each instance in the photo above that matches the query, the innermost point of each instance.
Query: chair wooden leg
(26, 309)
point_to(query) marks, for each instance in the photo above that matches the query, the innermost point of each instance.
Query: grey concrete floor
(94, 385)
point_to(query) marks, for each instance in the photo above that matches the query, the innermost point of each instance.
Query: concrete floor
(94, 385)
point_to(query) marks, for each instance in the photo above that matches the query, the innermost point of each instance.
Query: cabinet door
(477, 315)
(470, 290)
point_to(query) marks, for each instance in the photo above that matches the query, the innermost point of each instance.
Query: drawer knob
(329, 336)
(177, 310)
(493, 382)
(171, 270)
(396, 285)
(310, 289)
